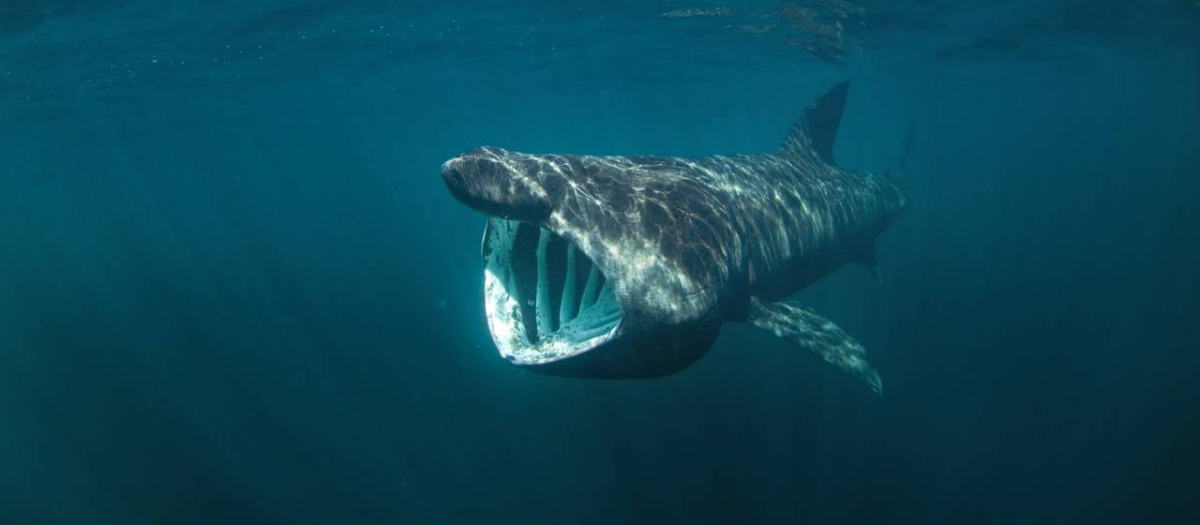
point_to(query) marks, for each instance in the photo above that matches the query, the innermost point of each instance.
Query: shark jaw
(545, 299)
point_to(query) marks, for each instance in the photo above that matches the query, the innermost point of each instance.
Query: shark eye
(545, 298)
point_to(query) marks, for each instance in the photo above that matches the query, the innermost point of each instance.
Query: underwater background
(234, 289)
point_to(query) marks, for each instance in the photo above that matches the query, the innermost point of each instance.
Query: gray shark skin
(627, 267)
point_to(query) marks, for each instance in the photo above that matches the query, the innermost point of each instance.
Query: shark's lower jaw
(545, 300)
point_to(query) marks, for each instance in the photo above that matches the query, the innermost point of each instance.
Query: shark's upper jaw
(545, 299)
(499, 183)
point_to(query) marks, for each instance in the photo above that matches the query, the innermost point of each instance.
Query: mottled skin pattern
(687, 242)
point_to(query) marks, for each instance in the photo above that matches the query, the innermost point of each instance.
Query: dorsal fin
(818, 126)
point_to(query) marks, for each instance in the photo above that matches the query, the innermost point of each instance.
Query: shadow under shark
(627, 267)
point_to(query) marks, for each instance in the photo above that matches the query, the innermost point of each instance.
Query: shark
(628, 266)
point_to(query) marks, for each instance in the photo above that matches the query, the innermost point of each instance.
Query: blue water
(233, 288)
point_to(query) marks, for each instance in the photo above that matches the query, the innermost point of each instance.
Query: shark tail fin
(899, 168)
(811, 331)
(818, 126)
(870, 260)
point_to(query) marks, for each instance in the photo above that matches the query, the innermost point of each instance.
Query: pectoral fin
(811, 331)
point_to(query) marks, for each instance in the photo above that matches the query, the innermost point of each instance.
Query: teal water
(233, 288)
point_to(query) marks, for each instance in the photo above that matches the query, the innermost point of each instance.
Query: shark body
(627, 266)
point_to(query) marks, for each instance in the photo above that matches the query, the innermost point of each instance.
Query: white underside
(577, 320)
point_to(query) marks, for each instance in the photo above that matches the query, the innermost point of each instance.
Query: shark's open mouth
(545, 299)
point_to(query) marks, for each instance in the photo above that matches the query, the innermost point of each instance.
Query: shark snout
(454, 177)
(490, 181)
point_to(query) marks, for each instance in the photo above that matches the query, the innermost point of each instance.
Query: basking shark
(627, 267)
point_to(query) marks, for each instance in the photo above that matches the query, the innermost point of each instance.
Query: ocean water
(234, 289)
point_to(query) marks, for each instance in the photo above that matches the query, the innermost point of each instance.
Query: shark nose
(495, 189)
(453, 176)
(472, 174)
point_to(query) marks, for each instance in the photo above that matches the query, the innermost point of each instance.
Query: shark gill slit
(562, 295)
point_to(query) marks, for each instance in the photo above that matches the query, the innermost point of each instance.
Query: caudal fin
(816, 129)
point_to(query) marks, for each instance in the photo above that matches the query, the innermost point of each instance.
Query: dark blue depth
(233, 288)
